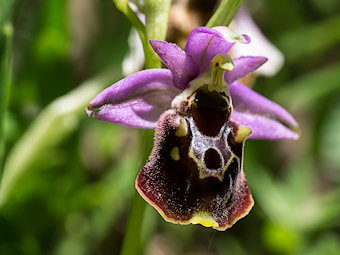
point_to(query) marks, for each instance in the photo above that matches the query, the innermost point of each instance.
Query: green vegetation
(67, 181)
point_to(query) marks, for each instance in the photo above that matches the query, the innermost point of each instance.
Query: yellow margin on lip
(195, 220)
(203, 218)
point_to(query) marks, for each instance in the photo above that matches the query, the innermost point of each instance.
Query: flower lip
(181, 190)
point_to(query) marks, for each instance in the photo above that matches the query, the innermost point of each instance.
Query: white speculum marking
(201, 144)
(212, 154)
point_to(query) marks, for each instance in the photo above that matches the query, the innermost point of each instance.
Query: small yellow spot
(204, 218)
(242, 134)
(182, 129)
(174, 154)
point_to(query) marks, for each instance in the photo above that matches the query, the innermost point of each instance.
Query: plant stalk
(132, 238)
(5, 70)
(224, 13)
(156, 24)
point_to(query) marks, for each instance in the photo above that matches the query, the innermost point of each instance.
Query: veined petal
(263, 127)
(242, 67)
(183, 68)
(205, 43)
(136, 101)
(261, 115)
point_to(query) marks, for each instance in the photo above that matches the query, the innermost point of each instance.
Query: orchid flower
(202, 116)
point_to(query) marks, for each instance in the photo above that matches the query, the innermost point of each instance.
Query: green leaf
(104, 205)
(5, 73)
(310, 40)
(54, 123)
(330, 136)
(293, 202)
(310, 87)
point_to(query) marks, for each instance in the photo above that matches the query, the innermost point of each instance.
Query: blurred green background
(69, 179)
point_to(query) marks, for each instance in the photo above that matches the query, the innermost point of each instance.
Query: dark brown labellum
(194, 174)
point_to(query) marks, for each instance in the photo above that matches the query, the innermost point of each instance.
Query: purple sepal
(205, 43)
(135, 101)
(246, 99)
(267, 119)
(242, 67)
(183, 68)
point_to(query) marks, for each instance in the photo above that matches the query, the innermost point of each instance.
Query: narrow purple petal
(242, 67)
(183, 68)
(263, 127)
(135, 101)
(205, 43)
(246, 100)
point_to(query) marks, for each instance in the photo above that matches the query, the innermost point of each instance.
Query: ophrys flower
(203, 116)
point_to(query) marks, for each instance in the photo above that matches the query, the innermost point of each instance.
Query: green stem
(124, 7)
(132, 244)
(48, 130)
(224, 13)
(4, 86)
(6, 7)
(156, 24)
(156, 19)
